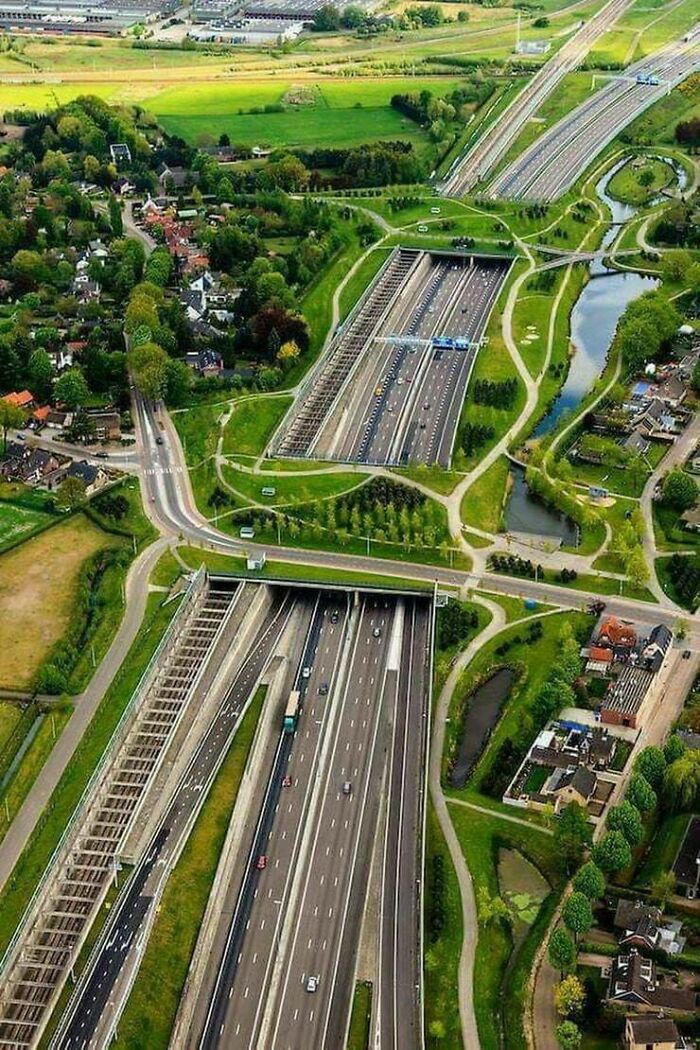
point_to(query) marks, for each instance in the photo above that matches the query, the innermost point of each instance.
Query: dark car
(159, 440)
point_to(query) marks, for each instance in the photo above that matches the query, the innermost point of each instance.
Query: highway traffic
(551, 165)
(285, 977)
(400, 402)
(479, 160)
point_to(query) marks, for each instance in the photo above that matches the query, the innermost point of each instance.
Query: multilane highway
(407, 407)
(479, 160)
(550, 166)
(285, 978)
(93, 1011)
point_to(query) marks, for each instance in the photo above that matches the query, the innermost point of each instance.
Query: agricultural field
(38, 586)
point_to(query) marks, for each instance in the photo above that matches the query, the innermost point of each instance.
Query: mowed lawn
(38, 586)
(252, 424)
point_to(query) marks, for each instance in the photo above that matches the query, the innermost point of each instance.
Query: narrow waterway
(594, 319)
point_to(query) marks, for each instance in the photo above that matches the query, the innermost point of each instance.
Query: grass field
(292, 489)
(17, 523)
(637, 183)
(500, 973)
(10, 715)
(38, 582)
(483, 502)
(252, 424)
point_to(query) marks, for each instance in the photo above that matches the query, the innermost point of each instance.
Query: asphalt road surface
(244, 972)
(479, 160)
(90, 1013)
(398, 990)
(550, 166)
(286, 976)
(405, 403)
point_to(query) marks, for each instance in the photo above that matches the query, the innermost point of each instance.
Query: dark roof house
(634, 979)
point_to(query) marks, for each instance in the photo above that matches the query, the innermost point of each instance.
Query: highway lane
(324, 933)
(174, 510)
(94, 1007)
(480, 159)
(405, 405)
(398, 1009)
(245, 969)
(559, 156)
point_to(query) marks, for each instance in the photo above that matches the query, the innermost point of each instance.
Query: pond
(523, 888)
(482, 711)
(526, 513)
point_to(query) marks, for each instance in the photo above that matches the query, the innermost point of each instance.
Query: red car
(286, 782)
(262, 862)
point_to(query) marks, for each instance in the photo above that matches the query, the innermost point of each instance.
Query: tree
(178, 382)
(148, 365)
(571, 835)
(40, 370)
(641, 794)
(71, 493)
(568, 1036)
(561, 951)
(569, 997)
(10, 417)
(436, 1029)
(590, 881)
(679, 491)
(115, 216)
(612, 853)
(662, 886)
(682, 782)
(636, 567)
(680, 629)
(70, 389)
(626, 818)
(327, 19)
(674, 748)
(577, 913)
(650, 762)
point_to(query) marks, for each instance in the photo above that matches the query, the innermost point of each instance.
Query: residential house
(658, 644)
(27, 464)
(642, 927)
(691, 519)
(653, 1033)
(636, 443)
(120, 153)
(107, 423)
(122, 186)
(92, 477)
(23, 399)
(205, 362)
(574, 785)
(615, 634)
(686, 866)
(172, 175)
(636, 980)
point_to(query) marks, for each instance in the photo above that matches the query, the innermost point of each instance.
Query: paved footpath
(21, 828)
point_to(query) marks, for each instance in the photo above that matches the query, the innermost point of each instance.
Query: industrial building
(103, 17)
